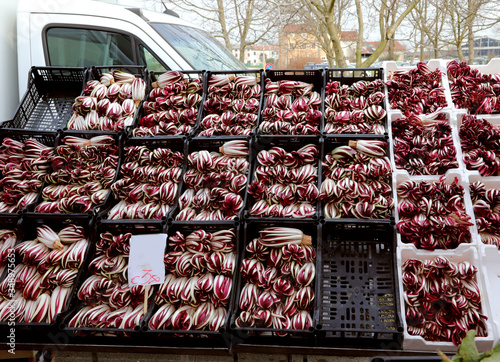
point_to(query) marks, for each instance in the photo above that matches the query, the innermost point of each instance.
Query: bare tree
(361, 27)
(306, 19)
(467, 18)
(391, 15)
(457, 12)
(484, 14)
(327, 12)
(392, 42)
(243, 22)
(429, 19)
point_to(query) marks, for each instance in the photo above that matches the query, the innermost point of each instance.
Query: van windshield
(200, 49)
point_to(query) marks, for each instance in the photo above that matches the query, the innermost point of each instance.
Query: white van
(84, 33)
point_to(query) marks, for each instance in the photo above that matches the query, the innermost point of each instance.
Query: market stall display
(286, 224)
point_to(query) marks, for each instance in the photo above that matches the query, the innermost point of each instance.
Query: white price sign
(145, 264)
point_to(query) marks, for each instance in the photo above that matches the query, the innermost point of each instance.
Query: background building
(484, 46)
(257, 56)
(299, 47)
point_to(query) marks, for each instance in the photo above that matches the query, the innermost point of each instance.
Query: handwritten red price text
(146, 279)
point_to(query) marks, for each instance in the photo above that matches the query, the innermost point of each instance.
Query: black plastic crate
(47, 103)
(349, 77)
(199, 338)
(289, 144)
(9, 222)
(316, 77)
(140, 71)
(358, 302)
(118, 137)
(109, 335)
(176, 144)
(213, 144)
(153, 77)
(191, 75)
(329, 144)
(258, 73)
(139, 228)
(29, 223)
(48, 139)
(271, 336)
(95, 73)
(26, 230)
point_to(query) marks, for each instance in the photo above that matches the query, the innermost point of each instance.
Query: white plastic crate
(454, 133)
(433, 64)
(391, 66)
(458, 113)
(491, 182)
(417, 343)
(391, 116)
(489, 257)
(493, 67)
(494, 119)
(402, 176)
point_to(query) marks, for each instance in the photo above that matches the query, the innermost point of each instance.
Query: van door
(69, 39)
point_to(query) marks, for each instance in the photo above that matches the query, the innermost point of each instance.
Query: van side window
(149, 60)
(73, 47)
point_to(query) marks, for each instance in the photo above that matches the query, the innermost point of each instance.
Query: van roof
(96, 8)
